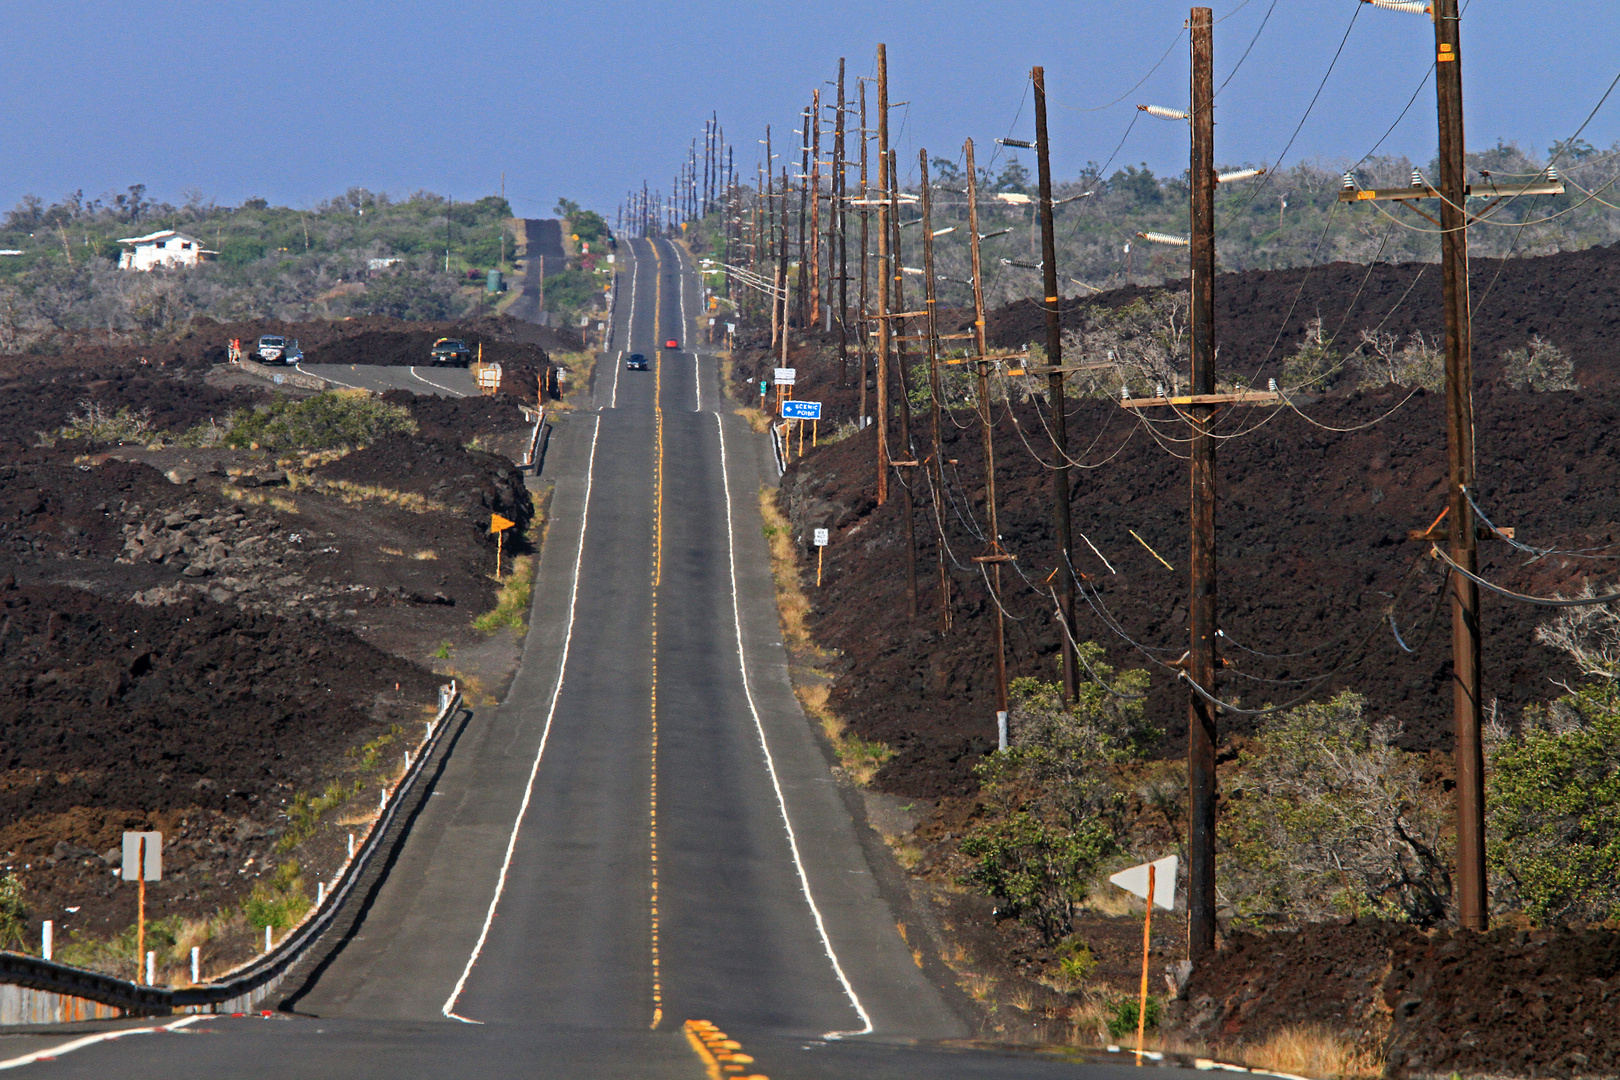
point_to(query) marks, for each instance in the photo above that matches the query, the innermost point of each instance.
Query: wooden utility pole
(931, 331)
(782, 266)
(839, 217)
(885, 198)
(993, 554)
(907, 447)
(1201, 715)
(815, 209)
(1466, 701)
(800, 280)
(1054, 385)
(863, 324)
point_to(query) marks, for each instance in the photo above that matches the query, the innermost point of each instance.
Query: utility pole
(1201, 715)
(863, 323)
(815, 209)
(885, 209)
(840, 217)
(932, 333)
(799, 279)
(994, 556)
(1466, 700)
(782, 265)
(1054, 384)
(907, 447)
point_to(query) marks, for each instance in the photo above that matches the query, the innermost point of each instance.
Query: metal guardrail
(532, 454)
(34, 990)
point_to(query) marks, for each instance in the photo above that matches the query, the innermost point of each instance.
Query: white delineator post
(351, 845)
(267, 939)
(46, 933)
(320, 893)
(151, 968)
(196, 964)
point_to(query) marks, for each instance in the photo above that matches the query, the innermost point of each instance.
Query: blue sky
(297, 100)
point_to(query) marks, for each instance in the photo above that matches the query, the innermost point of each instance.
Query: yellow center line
(722, 1058)
(657, 578)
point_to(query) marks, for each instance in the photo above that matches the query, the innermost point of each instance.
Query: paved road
(645, 831)
(542, 256)
(437, 381)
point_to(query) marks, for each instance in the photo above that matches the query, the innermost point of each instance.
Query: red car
(672, 344)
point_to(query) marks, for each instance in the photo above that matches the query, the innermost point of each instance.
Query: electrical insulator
(1349, 183)
(1158, 389)
(1241, 174)
(1124, 393)
(1411, 7)
(1163, 113)
(1271, 384)
(1165, 238)
(1417, 179)
(1552, 174)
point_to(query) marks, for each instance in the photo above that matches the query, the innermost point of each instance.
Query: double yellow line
(657, 579)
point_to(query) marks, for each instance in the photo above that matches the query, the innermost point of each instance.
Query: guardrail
(532, 454)
(280, 376)
(38, 991)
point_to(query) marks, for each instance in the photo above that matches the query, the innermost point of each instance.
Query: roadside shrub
(1058, 812)
(1539, 366)
(1122, 1019)
(279, 902)
(1315, 365)
(1554, 798)
(1326, 818)
(1383, 361)
(320, 422)
(95, 423)
(13, 913)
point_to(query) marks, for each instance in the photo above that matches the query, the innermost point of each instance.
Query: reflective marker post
(821, 548)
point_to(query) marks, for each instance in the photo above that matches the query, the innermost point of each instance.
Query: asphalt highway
(644, 833)
(421, 379)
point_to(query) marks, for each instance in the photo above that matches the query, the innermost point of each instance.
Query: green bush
(569, 290)
(318, 423)
(1056, 813)
(1325, 818)
(1036, 869)
(13, 913)
(1554, 798)
(279, 902)
(1122, 1021)
(241, 250)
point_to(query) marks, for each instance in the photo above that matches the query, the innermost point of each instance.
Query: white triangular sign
(1135, 880)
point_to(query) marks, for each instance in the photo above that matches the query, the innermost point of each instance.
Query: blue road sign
(801, 410)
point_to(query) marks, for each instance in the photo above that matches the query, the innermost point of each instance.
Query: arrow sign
(499, 524)
(802, 410)
(1135, 880)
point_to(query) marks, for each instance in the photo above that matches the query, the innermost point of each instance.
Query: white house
(163, 249)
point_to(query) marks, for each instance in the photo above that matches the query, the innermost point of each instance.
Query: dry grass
(579, 366)
(757, 419)
(425, 554)
(978, 986)
(390, 551)
(351, 493)
(862, 758)
(258, 498)
(906, 851)
(1310, 1050)
(512, 605)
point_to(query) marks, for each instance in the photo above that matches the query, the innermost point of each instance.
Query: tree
(1140, 184)
(566, 208)
(1014, 177)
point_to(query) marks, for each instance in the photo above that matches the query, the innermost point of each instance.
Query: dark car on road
(635, 362)
(449, 352)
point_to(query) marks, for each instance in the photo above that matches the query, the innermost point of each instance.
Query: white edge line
(439, 386)
(686, 329)
(630, 324)
(100, 1037)
(545, 734)
(299, 367)
(770, 763)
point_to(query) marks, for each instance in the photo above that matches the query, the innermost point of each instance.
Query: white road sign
(786, 375)
(1135, 880)
(132, 856)
(821, 538)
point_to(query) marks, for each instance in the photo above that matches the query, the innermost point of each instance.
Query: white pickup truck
(274, 349)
